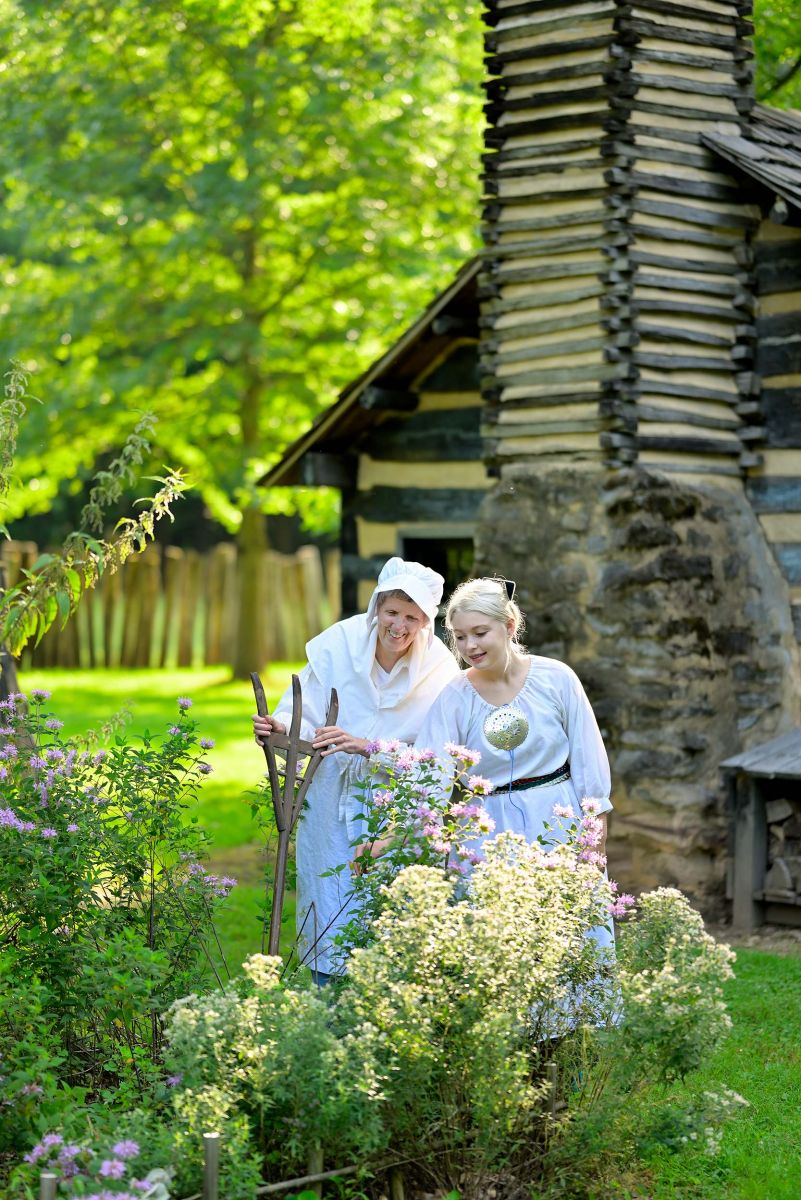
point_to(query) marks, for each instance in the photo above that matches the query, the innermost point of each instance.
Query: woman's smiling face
(481, 641)
(399, 622)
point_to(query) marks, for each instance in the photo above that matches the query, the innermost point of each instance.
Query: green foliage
(276, 1056)
(778, 52)
(51, 589)
(106, 914)
(223, 210)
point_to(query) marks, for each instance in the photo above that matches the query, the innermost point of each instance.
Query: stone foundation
(666, 600)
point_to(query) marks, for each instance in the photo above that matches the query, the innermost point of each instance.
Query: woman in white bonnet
(388, 668)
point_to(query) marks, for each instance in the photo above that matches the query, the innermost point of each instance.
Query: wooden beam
(775, 493)
(318, 469)
(388, 505)
(388, 399)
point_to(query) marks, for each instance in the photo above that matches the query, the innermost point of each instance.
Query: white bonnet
(420, 584)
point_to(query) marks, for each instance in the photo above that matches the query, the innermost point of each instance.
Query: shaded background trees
(221, 210)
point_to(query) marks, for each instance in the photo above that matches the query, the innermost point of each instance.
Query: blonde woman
(528, 716)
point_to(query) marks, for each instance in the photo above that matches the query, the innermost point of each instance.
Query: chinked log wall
(775, 488)
(617, 294)
(423, 473)
(178, 608)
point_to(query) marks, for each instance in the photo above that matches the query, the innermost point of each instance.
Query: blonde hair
(489, 597)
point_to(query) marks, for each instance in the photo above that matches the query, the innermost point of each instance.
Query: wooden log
(674, 185)
(544, 247)
(497, 135)
(449, 434)
(692, 308)
(788, 555)
(636, 29)
(188, 615)
(543, 224)
(775, 493)
(545, 298)
(777, 266)
(216, 581)
(688, 445)
(320, 469)
(781, 408)
(387, 399)
(111, 603)
(686, 283)
(780, 357)
(680, 362)
(172, 570)
(649, 412)
(497, 88)
(690, 13)
(392, 504)
(507, 106)
(132, 579)
(733, 218)
(552, 349)
(315, 599)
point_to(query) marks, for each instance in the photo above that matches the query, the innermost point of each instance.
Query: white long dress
(373, 704)
(561, 728)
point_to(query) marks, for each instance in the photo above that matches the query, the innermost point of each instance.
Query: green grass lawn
(761, 1059)
(222, 709)
(760, 1158)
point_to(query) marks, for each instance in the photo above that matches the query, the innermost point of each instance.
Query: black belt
(532, 781)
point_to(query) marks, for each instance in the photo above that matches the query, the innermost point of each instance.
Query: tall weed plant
(106, 911)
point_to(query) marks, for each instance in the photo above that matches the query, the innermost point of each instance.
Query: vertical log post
(314, 1166)
(553, 1083)
(211, 1166)
(287, 799)
(47, 1185)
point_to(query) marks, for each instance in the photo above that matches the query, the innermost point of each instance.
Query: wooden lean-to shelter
(634, 400)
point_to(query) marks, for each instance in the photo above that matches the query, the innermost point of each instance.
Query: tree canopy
(220, 210)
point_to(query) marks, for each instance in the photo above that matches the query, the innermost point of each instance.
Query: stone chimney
(617, 339)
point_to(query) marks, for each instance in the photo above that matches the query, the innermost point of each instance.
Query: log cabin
(606, 404)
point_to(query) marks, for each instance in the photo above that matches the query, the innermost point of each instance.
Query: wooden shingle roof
(780, 758)
(769, 150)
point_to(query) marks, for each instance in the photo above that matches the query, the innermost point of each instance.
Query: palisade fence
(169, 607)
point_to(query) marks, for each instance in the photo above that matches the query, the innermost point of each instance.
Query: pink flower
(463, 753)
(406, 759)
(621, 905)
(426, 756)
(381, 799)
(207, 743)
(47, 832)
(126, 1149)
(72, 828)
(563, 810)
(112, 1168)
(590, 805)
(477, 783)
(485, 823)
(184, 703)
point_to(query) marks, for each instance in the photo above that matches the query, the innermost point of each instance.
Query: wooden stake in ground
(288, 797)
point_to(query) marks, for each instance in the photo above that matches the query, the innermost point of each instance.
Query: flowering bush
(105, 909)
(415, 809)
(298, 1072)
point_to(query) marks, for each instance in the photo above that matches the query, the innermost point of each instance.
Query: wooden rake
(287, 798)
